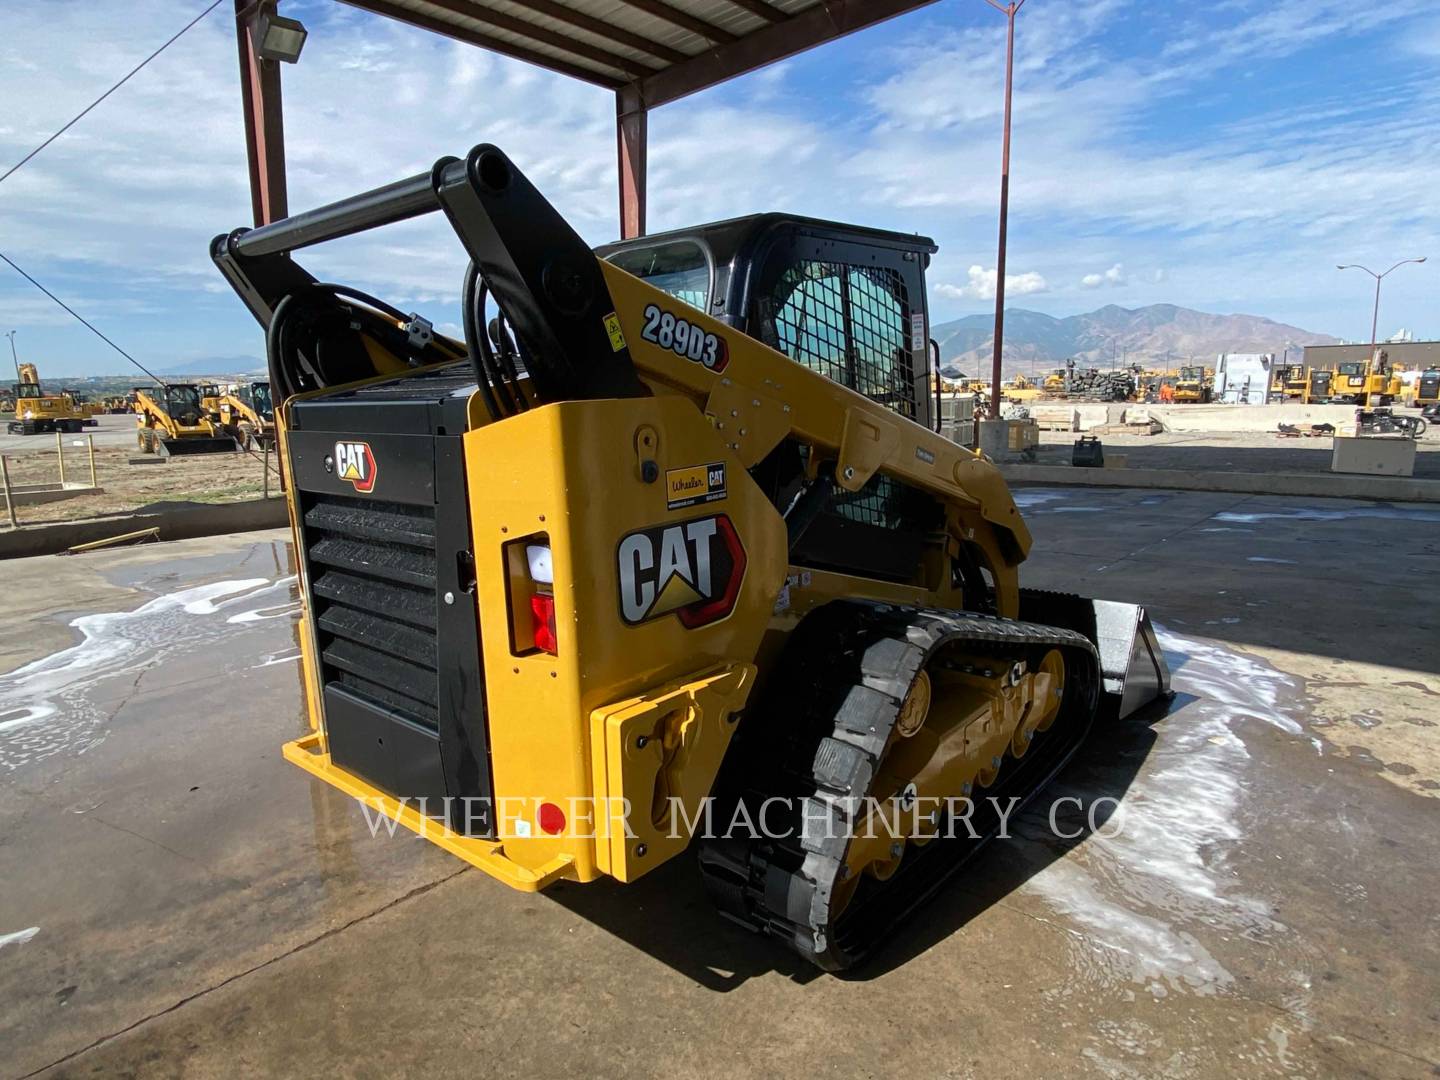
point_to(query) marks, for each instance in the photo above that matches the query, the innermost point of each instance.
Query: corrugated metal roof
(661, 49)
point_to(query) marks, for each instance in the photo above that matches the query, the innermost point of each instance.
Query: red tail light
(542, 607)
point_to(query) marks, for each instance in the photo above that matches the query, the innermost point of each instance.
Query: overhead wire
(80, 115)
(61, 131)
(83, 321)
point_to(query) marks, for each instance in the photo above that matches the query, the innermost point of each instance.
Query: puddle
(1389, 513)
(63, 703)
(1138, 897)
(19, 937)
(1036, 501)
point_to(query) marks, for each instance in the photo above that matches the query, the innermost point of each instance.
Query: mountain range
(1157, 336)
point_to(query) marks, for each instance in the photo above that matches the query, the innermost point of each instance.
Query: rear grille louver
(372, 567)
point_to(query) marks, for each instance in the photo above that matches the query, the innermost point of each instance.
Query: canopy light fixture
(279, 38)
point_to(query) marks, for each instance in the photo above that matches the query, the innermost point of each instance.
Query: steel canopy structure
(647, 52)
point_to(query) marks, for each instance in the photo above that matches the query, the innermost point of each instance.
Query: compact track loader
(170, 420)
(665, 554)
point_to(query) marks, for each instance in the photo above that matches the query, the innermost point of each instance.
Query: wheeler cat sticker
(680, 336)
(355, 462)
(694, 485)
(693, 569)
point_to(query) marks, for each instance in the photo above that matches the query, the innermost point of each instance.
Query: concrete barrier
(1188, 418)
(1315, 485)
(180, 521)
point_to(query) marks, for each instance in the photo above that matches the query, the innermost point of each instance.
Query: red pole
(999, 343)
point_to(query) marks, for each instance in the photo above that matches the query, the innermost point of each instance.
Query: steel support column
(631, 132)
(264, 124)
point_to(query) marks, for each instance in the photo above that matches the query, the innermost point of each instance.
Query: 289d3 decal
(683, 338)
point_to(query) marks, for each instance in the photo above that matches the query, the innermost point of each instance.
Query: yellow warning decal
(612, 327)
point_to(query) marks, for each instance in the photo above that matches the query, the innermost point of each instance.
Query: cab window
(680, 268)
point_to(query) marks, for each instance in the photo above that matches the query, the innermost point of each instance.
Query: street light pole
(1375, 314)
(13, 355)
(1009, 11)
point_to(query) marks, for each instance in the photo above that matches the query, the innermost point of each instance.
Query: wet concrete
(174, 898)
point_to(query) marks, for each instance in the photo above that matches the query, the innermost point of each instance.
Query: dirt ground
(1213, 451)
(203, 478)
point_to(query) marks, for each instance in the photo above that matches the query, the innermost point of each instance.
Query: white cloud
(1109, 155)
(981, 285)
(1114, 277)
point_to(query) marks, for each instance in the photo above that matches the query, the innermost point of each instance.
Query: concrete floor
(117, 430)
(175, 899)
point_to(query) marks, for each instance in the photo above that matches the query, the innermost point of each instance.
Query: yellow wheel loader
(1194, 386)
(665, 555)
(37, 412)
(171, 421)
(247, 415)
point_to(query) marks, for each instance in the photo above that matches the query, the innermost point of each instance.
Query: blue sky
(1219, 155)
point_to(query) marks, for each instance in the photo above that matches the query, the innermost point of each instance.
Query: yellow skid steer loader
(666, 543)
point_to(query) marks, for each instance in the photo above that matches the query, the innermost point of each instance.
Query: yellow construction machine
(1194, 385)
(171, 421)
(37, 412)
(1426, 388)
(1020, 388)
(666, 554)
(1288, 382)
(247, 414)
(210, 394)
(1366, 383)
(83, 406)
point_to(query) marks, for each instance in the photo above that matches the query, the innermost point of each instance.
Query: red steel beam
(264, 122)
(631, 136)
(824, 22)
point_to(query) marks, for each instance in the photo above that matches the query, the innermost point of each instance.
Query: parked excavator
(37, 412)
(667, 542)
(171, 421)
(247, 415)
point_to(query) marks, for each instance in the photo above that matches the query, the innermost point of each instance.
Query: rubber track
(783, 887)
